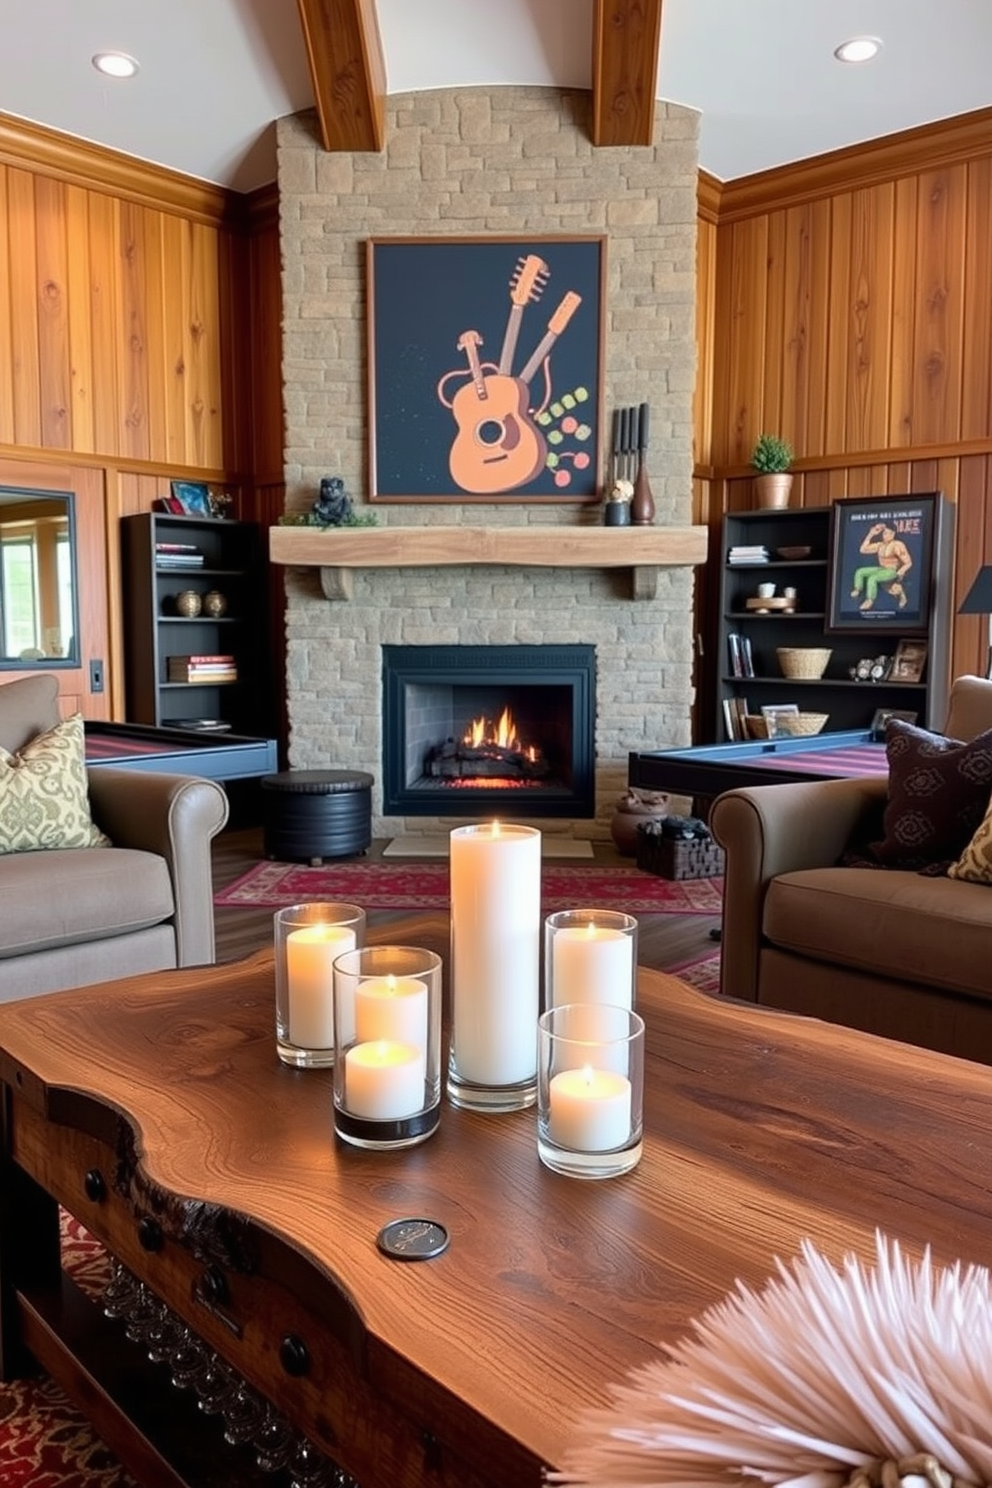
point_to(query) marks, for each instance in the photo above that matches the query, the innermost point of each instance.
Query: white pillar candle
(592, 963)
(310, 953)
(589, 1109)
(495, 952)
(384, 1080)
(391, 1008)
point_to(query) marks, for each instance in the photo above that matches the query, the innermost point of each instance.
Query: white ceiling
(216, 73)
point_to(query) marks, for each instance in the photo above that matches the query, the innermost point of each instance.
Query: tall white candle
(391, 1008)
(310, 953)
(495, 952)
(589, 1109)
(592, 963)
(384, 1080)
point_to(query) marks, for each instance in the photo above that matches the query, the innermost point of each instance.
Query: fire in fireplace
(463, 725)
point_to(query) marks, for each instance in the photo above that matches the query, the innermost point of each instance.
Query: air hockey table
(217, 756)
(707, 770)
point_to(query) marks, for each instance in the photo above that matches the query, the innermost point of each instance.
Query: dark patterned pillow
(938, 792)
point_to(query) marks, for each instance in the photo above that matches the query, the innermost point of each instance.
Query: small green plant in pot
(771, 459)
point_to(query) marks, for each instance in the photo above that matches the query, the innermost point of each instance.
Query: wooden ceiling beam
(348, 72)
(626, 39)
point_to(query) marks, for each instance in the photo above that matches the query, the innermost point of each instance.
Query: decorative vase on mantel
(773, 491)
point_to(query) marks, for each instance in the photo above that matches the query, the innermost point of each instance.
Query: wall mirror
(39, 619)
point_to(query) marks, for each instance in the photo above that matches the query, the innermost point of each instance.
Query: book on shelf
(735, 654)
(179, 670)
(176, 547)
(746, 555)
(747, 656)
(222, 658)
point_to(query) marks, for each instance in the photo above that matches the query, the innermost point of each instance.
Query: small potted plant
(771, 459)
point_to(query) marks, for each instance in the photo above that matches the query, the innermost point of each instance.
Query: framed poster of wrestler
(881, 563)
(485, 360)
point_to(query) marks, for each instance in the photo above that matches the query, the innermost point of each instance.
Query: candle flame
(586, 1074)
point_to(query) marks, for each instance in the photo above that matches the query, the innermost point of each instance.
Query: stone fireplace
(470, 162)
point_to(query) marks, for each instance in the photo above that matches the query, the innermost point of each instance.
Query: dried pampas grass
(828, 1376)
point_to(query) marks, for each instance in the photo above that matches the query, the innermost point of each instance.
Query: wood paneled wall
(139, 341)
(846, 304)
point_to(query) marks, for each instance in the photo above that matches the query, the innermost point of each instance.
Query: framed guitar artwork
(485, 360)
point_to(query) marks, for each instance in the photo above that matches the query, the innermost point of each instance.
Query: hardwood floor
(664, 940)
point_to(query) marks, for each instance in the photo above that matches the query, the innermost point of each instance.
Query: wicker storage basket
(800, 725)
(805, 663)
(674, 857)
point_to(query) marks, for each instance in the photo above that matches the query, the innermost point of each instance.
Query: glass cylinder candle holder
(590, 1096)
(308, 937)
(387, 1031)
(495, 966)
(590, 955)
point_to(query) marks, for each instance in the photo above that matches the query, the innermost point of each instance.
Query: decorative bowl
(804, 663)
(792, 554)
(800, 725)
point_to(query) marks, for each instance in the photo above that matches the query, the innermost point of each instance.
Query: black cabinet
(194, 624)
(804, 568)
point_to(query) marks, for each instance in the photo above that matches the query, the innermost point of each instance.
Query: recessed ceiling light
(115, 64)
(858, 49)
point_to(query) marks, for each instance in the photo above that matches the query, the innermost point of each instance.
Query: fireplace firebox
(489, 729)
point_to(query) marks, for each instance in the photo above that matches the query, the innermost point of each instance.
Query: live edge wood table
(155, 1110)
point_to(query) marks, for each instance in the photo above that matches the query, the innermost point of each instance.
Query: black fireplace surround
(431, 695)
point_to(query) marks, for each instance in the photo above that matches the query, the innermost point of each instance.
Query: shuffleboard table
(217, 756)
(707, 770)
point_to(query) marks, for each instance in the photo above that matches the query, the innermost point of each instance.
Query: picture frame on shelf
(909, 662)
(772, 712)
(882, 716)
(193, 498)
(881, 562)
(456, 411)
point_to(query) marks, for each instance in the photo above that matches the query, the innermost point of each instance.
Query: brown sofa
(889, 951)
(73, 916)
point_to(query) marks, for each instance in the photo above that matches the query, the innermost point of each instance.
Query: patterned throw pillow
(938, 792)
(43, 796)
(975, 863)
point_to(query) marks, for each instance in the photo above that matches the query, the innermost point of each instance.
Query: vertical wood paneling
(940, 301)
(748, 297)
(203, 351)
(79, 280)
(866, 420)
(25, 369)
(819, 331)
(133, 307)
(773, 367)
(51, 297)
(107, 349)
(903, 314)
(839, 326)
(705, 310)
(6, 369)
(797, 292)
(976, 359)
(156, 281)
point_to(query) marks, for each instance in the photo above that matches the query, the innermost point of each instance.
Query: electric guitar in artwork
(570, 302)
(526, 285)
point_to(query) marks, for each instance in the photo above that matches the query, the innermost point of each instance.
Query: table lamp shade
(978, 601)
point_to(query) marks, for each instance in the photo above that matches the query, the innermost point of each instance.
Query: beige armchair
(76, 915)
(889, 951)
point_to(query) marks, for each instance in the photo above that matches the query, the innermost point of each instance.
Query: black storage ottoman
(310, 815)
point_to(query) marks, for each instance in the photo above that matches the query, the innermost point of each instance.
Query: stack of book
(177, 555)
(740, 655)
(748, 553)
(202, 669)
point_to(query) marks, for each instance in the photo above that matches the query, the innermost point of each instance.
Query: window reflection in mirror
(38, 617)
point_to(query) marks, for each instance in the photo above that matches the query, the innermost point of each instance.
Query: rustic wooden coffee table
(156, 1110)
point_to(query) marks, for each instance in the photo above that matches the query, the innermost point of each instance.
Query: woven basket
(803, 662)
(800, 725)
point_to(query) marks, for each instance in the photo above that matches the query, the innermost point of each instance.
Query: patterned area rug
(398, 885)
(44, 1441)
(703, 974)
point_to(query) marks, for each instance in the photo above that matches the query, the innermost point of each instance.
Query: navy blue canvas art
(485, 368)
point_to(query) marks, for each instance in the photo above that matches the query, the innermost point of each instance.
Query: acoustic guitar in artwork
(497, 447)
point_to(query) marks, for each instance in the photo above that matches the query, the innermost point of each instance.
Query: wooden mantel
(338, 551)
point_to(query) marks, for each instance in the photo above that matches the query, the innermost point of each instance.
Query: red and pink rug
(399, 885)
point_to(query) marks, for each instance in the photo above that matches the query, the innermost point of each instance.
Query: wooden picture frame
(909, 662)
(485, 366)
(874, 537)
